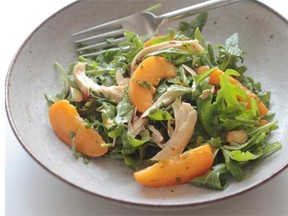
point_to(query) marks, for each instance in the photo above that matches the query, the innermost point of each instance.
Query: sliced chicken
(185, 120)
(86, 85)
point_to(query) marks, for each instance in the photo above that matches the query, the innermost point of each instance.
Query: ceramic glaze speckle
(263, 35)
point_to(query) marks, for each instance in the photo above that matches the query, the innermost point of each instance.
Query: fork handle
(193, 9)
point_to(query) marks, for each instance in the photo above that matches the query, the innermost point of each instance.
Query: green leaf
(65, 75)
(198, 36)
(211, 55)
(230, 54)
(159, 115)
(257, 136)
(270, 148)
(200, 78)
(230, 92)
(177, 56)
(130, 143)
(117, 131)
(124, 111)
(188, 29)
(216, 178)
(132, 45)
(107, 113)
(90, 107)
(240, 156)
(51, 99)
(208, 115)
(78, 155)
(266, 128)
(256, 88)
(132, 161)
(232, 166)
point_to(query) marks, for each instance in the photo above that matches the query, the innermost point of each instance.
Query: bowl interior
(263, 34)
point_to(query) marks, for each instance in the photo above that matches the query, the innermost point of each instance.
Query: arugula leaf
(116, 123)
(229, 91)
(177, 56)
(159, 115)
(51, 99)
(216, 178)
(131, 46)
(224, 112)
(130, 143)
(270, 148)
(107, 113)
(240, 156)
(77, 154)
(188, 29)
(208, 113)
(257, 137)
(198, 36)
(124, 110)
(256, 88)
(117, 131)
(233, 167)
(132, 161)
(230, 54)
(235, 113)
(68, 82)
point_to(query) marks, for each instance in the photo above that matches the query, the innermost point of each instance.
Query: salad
(175, 109)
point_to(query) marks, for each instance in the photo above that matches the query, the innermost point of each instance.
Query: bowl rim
(115, 200)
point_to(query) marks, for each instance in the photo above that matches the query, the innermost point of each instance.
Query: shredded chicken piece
(156, 136)
(86, 84)
(185, 120)
(136, 125)
(165, 99)
(165, 45)
(121, 80)
(189, 70)
(170, 128)
(76, 94)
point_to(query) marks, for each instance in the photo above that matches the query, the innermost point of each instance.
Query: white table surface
(31, 190)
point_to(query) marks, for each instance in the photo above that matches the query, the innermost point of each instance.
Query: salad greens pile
(219, 111)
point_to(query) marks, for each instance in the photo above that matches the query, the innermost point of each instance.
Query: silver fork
(142, 23)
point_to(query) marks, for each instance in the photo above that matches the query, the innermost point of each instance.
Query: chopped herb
(144, 84)
(178, 179)
(72, 134)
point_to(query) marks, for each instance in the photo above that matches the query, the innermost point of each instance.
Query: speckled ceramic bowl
(263, 34)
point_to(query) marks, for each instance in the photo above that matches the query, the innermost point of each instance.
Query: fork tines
(108, 35)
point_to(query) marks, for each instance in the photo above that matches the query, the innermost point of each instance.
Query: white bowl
(263, 34)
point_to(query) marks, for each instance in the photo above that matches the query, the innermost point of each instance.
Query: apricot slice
(64, 120)
(69, 126)
(145, 78)
(88, 141)
(177, 170)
